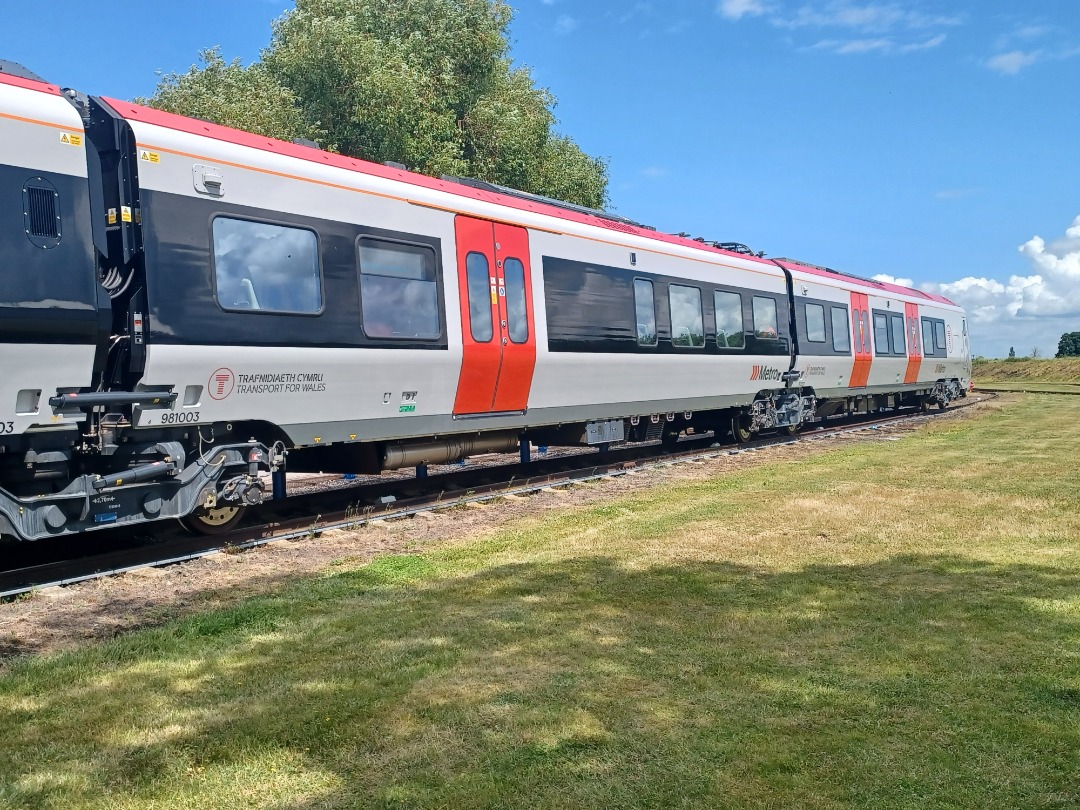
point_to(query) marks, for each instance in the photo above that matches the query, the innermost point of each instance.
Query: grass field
(1052, 370)
(893, 624)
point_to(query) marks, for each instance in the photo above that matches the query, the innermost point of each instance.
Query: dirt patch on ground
(57, 619)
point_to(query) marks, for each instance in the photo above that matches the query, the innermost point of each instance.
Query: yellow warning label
(112, 216)
(71, 139)
(149, 157)
(125, 213)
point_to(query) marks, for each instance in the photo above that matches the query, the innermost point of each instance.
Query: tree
(1036, 353)
(1069, 345)
(250, 98)
(427, 83)
(1012, 353)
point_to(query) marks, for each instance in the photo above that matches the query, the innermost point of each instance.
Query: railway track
(32, 566)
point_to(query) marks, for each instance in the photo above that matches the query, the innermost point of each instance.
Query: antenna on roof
(738, 247)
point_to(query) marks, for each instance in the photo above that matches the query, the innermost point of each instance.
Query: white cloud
(866, 17)
(565, 24)
(926, 45)
(884, 45)
(1012, 62)
(879, 27)
(654, 172)
(737, 9)
(887, 279)
(1027, 310)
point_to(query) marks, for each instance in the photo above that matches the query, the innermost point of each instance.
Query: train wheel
(740, 428)
(789, 430)
(213, 521)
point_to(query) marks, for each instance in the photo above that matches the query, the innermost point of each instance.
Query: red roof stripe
(206, 129)
(29, 84)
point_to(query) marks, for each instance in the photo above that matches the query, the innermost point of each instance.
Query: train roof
(885, 286)
(13, 74)
(17, 76)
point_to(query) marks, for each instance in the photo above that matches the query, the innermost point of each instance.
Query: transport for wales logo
(221, 383)
(765, 373)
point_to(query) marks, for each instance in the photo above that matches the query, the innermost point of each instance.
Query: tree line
(1068, 346)
(427, 83)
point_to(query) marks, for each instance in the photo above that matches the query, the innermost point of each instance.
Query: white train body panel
(42, 151)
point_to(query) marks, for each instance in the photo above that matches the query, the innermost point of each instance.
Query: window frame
(943, 346)
(655, 323)
(885, 326)
(932, 344)
(487, 298)
(806, 322)
(845, 320)
(701, 316)
(524, 301)
(776, 317)
(893, 319)
(262, 310)
(742, 322)
(435, 280)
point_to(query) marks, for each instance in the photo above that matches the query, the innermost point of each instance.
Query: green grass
(852, 630)
(1031, 386)
(1026, 370)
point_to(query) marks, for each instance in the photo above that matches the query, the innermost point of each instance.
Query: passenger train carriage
(184, 307)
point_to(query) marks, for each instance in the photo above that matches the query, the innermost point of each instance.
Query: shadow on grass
(915, 681)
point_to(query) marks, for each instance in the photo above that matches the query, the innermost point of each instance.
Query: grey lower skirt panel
(409, 427)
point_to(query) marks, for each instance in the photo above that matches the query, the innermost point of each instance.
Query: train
(185, 308)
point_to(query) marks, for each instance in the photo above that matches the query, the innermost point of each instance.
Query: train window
(398, 290)
(766, 324)
(841, 338)
(729, 320)
(896, 329)
(645, 312)
(264, 267)
(480, 292)
(815, 322)
(939, 338)
(928, 337)
(687, 323)
(517, 320)
(881, 333)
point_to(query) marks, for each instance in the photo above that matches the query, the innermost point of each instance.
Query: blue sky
(935, 142)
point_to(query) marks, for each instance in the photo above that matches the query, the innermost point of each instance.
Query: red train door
(497, 329)
(860, 338)
(914, 343)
